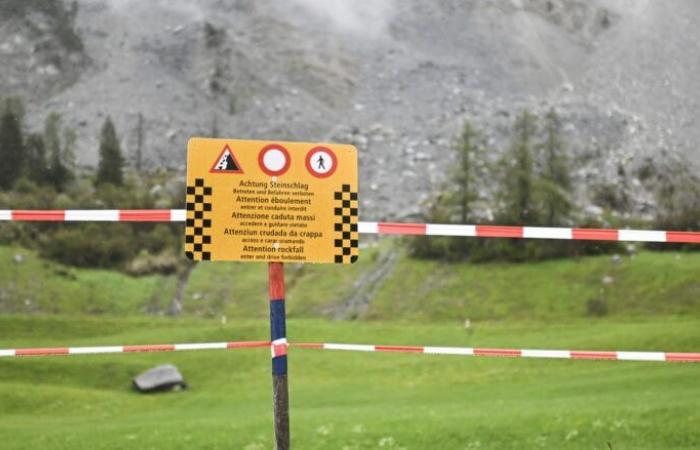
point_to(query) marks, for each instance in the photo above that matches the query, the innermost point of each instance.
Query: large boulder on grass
(160, 379)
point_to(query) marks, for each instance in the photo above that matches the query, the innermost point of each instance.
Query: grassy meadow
(343, 400)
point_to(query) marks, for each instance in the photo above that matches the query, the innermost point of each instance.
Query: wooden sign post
(278, 337)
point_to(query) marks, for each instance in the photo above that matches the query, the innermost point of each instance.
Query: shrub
(596, 307)
(165, 263)
(90, 245)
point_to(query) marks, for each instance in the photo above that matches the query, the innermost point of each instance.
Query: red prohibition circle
(310, 168)
(261, 160)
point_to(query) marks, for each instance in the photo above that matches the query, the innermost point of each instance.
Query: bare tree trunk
(183, 277)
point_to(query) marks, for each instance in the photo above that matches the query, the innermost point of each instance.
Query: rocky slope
(396, 78)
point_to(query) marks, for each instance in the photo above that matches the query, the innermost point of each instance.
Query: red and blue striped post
(278, 338)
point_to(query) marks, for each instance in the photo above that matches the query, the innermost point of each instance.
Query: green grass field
(343, 400)
(353, 400)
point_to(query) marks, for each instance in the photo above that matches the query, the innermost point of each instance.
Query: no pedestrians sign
(271, 201)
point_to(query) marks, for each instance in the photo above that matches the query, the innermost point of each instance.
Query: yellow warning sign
(271, 201)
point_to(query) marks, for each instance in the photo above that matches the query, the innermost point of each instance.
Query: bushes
(105, 245)
(166, 263)
(89, 245)
(113, 245)
(596, 307)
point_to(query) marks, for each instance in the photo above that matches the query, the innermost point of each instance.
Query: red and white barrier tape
(383, 228)
(130, 348)
(94, 215)
(278, 348)
(513, 353)
(497, 231)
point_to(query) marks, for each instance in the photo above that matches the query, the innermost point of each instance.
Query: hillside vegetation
(648, 283)
(396, 78)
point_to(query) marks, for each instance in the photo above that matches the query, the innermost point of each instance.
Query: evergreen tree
(109, 168)
(464, 177)
(518, 182)
(52, 133)
(58, 173)
(11, 147)
(68, 148)
(36, 168)
(456, 202)
(555, 184)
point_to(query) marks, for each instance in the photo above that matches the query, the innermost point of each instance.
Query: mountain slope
(395, 78)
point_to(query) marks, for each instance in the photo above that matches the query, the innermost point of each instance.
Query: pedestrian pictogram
(226, 162)
(274, 160)
(321, 162)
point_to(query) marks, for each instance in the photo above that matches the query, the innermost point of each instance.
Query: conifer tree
(109, 168)
(58, 173)
(11, 147)
(456, 202)
(519, 177)
(36, 168)
(70, 138)
(556, 179)
(52, 132)
(464, 177)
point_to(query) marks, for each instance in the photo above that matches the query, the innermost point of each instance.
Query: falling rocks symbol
(226, 162)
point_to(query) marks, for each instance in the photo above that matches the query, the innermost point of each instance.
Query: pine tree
(58, 173)
(52, 133)
(464, 177)
(556, 179)
(518, 182)
(36, 168)
(11, 147)
(68, 148)
(109, 168)
(455, 203)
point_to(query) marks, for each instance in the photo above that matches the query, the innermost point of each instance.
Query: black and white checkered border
(346, 239)
(198, 221)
